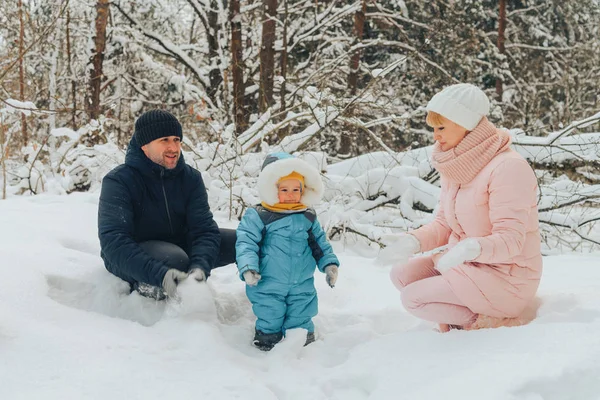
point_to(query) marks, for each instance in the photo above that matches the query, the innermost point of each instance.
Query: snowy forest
(342, 84)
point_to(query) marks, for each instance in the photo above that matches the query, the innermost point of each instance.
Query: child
(279, 243)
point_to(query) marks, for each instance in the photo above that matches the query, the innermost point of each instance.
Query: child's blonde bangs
(434, 119)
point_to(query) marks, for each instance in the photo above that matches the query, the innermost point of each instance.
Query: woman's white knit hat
(463, 103)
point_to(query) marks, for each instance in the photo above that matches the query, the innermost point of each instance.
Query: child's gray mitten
(171, 280)
(251, 277)
(331, 274)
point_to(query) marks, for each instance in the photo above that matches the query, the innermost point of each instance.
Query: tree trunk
(267, 55)
(70, 71)
(284, 54)
(2, 156)
(359, 28)
(96, 74)
(283, 132)
(345, 149)
(213, 50)
(241, 121)
(501, 40)
(24, 135)
(52, 78)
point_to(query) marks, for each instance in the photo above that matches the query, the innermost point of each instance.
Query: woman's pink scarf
(462, 163)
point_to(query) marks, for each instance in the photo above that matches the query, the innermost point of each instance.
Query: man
(154, 221)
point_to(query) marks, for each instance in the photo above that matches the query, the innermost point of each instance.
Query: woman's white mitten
(467, 250)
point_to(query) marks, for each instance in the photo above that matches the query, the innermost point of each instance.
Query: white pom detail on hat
(463, 104)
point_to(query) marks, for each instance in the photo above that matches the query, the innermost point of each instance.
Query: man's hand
(467, 250)
(198, 274)
(251, 277)
(171, 280)
(331, 274)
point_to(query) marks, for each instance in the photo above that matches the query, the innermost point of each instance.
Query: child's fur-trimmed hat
(279, 165)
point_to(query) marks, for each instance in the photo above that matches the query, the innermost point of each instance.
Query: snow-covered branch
(172, 49)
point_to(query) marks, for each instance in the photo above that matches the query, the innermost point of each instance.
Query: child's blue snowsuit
(284, 248)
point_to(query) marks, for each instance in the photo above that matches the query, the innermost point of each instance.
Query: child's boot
(266, 341)
(310, 337)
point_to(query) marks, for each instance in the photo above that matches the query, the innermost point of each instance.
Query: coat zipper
(162, 183)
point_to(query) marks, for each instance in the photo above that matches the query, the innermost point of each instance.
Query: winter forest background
(341, 83)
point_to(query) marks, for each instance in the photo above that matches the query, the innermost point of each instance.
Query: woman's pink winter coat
(498, 208)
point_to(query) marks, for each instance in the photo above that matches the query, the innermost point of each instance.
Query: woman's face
(448, 134)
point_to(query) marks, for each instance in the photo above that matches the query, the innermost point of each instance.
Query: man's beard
(162, 160)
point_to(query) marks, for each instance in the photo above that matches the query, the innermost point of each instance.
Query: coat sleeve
(247, 246)
(123, 256)
(203, 231)
(321, 249)
(437, 232)
(512, 194)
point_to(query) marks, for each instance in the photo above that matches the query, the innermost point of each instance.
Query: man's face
(164, 151)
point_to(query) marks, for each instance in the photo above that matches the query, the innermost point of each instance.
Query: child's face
(289, 191)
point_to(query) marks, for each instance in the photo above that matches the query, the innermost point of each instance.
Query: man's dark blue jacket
(140, 201)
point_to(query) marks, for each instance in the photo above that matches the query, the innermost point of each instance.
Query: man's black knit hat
(156, 124)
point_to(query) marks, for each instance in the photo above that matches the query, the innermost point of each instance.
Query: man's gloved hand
(251, 277)
(467, 250)
(198, 274)
(171, 280)
(398, 248)
(331, 274)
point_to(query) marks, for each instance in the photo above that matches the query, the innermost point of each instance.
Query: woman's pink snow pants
(427, 295)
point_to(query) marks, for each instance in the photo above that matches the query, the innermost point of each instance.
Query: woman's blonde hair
(434, 119)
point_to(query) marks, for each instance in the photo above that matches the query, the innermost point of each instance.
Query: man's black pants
(175, 257)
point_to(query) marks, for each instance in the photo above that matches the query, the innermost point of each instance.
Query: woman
(487, 215)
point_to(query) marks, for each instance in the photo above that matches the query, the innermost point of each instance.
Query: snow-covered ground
(70, 330)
